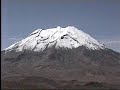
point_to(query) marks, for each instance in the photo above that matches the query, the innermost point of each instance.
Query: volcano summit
(69, 37)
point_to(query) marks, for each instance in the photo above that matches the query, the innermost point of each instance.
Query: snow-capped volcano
(69, 37)
(59, 58)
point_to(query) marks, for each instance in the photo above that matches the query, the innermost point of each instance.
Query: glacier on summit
(69, 37)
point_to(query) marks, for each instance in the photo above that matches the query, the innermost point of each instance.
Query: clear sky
(99, 18)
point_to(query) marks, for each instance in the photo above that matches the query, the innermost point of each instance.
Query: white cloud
(113, 43)
(14, 39)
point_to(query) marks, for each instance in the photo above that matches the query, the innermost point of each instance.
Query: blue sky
(99, 18)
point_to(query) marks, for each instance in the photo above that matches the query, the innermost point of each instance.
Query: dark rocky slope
(61, 68)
